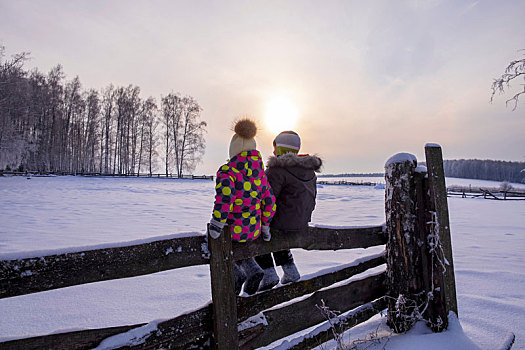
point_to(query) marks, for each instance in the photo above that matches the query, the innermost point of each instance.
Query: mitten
(266, 233)
(215, 228)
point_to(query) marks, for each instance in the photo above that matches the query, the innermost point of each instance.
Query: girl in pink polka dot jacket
(244, 200)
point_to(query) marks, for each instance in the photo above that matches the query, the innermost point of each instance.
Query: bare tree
(190, 144)
(13, 97)
(152, 141)
(147, 124)
(514, 71)
(171, 120)
(92, 131)
(184, 132)
(72, 127)
(108, 103)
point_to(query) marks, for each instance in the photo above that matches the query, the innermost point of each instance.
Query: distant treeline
(496, 170)
(354, 175)
(50, 124)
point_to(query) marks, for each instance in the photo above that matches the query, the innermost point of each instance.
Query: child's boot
(269, 280)
(254, 275)
(290, 273)
(240, 277)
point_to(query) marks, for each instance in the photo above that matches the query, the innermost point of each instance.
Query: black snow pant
(282, 257)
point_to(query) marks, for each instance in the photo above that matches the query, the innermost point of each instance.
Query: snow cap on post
(400, 158)
(430, 144)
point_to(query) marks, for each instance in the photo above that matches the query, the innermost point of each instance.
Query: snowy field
(58, 214)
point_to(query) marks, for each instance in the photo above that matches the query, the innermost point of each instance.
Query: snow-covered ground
(57, 213)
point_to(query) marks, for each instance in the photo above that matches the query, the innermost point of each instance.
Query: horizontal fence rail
(317, 238)
(37, 274)
(487, 194)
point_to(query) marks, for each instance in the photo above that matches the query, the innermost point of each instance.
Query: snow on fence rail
(416, 246)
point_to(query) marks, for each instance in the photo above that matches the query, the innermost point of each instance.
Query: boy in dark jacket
(294, 184)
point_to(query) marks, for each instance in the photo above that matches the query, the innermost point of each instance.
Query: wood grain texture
(25, 276)
(292, 318)
(315, 238)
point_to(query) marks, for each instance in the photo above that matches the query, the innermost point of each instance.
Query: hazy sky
(368, 78)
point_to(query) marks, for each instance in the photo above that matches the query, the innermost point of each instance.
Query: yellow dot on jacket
(238, 201)
(253, 220)
(245, 215)
(257, 206)
(218, 185)
(253, 194)
(226, 191)
(237, 229)
(266, 213)
(249, 172)
(244, 154)
(217, 214)
(225, 168)
(257, 182)
(247, 186)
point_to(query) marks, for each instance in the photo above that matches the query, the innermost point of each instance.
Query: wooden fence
(486, 194)
(96, 174)
(226, 323)
(347, 183)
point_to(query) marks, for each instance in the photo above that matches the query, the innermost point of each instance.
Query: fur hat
(243, 140)
(287, 141)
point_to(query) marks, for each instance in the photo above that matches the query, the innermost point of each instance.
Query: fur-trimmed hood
(294, 184)
(290, 160)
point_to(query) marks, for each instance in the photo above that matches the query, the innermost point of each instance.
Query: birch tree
(12, 92)
(147, 139)
(190, 143)
(106, 142)
(184, 138)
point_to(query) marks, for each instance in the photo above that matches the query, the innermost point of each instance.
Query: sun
(281, 114)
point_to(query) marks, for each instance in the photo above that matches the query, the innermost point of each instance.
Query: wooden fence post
(225, 332)
(403, 253)
(445, 280)
(420, 268)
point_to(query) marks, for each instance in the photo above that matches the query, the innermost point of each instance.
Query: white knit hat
(243, 140)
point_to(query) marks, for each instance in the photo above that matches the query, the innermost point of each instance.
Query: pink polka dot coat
(244, 199)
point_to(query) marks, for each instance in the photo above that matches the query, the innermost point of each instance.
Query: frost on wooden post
(439, 236)
(403, 247)
(434, 245)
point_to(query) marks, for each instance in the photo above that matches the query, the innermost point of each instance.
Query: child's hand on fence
(266, 233)
(215, 228)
